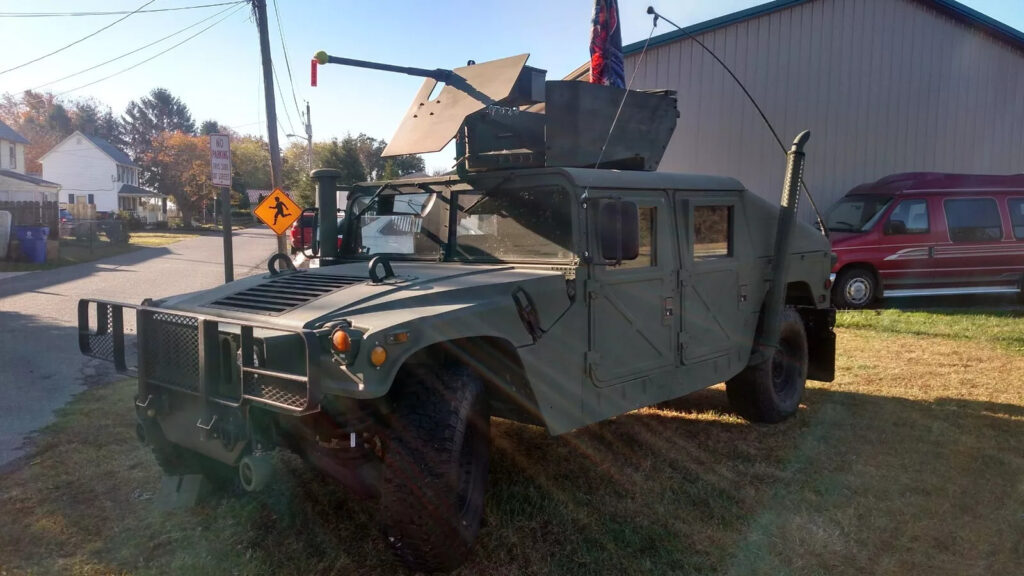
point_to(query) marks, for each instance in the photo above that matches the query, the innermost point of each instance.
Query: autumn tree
(149, 118)
(183, 160)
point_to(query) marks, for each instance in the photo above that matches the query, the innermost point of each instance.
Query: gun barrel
(439, 74)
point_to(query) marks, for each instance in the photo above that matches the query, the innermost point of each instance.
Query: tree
(41, 118)
(149, 118)
(93, 118)
(210, 127)
(250, 160)
(183, 160)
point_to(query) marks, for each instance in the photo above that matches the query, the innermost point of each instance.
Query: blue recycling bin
(33, 242)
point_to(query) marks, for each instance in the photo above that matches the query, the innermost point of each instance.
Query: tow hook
(254, 472)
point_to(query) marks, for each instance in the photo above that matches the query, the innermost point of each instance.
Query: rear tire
(771, 391)
(435, 471)
(856, 288)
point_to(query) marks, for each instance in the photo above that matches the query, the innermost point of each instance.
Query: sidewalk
(4, 275)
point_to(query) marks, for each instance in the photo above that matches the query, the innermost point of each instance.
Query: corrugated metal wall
(884, 86)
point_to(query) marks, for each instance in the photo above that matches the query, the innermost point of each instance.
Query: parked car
(922, 233)
(66, 216)
(300, 234)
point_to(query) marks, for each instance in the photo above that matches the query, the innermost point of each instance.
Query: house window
(712, 232)
(71, 198)
(14, 157)
(92, 199)
(973, 220)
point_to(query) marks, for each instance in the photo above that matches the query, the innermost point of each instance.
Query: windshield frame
(447, 193)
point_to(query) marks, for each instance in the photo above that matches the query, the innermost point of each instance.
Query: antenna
(817, 213)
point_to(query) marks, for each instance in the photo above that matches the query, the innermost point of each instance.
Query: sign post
(220, 175)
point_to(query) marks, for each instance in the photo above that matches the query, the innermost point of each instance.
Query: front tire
(856, 288)
(435, 471)
(771, 390)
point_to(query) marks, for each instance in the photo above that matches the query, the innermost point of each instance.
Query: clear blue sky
(217, 74)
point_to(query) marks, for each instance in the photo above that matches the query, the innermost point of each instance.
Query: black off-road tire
(855, 289)
(771, 391)
(435, 470)
(177, 461)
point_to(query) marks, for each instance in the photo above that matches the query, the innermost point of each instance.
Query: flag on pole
(606, 66)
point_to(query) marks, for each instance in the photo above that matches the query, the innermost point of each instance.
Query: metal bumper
(220, 361)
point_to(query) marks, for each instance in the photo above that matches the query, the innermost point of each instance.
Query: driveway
(40, 366)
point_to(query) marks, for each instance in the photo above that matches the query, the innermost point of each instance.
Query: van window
(1017, 217)
(973, 220)
(909, 217)
(712, 232)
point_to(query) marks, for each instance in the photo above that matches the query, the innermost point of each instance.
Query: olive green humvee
(550, 295)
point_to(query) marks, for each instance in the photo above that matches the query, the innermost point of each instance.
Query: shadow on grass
(855, 484)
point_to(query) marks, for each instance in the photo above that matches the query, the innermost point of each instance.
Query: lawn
(74, 252)
(911, 462)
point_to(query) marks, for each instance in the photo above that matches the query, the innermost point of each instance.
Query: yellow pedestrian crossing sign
(277, 211)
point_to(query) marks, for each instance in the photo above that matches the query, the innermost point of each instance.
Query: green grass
(1004, 327)
(909, 463)
(71, 252)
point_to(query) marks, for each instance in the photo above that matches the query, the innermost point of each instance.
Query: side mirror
(895, 227)
(618, 228)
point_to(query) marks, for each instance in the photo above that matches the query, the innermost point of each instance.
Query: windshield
(856, 213)
(398, 225)
(509, 225)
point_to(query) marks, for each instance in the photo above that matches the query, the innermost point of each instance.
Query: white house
(93, 171)
(15, 184)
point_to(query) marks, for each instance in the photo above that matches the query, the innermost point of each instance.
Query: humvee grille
(276, 391)
(284, 293)
(171, 349)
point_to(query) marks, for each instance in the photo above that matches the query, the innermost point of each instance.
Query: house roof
(8, 133)
(109, 149)
(26, 178)
(115, 153)
(955, 9)
(136, 192)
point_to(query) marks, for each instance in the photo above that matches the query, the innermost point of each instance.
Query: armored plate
(431, 123)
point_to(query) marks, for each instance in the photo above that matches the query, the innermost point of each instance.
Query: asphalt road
(40, 365)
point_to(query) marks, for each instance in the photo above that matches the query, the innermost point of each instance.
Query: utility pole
(309, 139)
(260, 8)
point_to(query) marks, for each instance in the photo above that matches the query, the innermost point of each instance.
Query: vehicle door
(909, 241)
(977, 255)
(633, 306)
(716, 303)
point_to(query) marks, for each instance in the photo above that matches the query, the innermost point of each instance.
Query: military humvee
(530, 285)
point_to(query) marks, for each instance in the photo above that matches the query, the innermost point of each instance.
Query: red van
(924, 233)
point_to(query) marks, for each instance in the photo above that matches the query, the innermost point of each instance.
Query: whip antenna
(653, 12)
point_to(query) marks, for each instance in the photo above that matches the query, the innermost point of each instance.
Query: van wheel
(770, 391)
(435, 471)
(855, 288)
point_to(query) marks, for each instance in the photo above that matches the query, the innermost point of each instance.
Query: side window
(14, 158)
(1017, 217)
(973, 220)
(71, 198)
(909, 217)
(648, 250)
(712, 232)
(91, 198)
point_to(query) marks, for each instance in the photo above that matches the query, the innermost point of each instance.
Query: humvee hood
(307, 298)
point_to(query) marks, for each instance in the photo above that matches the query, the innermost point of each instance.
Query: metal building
(885, 86)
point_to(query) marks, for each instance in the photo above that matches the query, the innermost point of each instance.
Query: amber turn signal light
(340, 341)
(378, 355)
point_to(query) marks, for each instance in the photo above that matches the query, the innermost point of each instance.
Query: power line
(280, 93)
(162, 52)
(61, 49)
(141, 48)
(284, 48)
(55, 14)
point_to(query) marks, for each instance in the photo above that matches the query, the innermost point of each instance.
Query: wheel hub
(858, 291)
